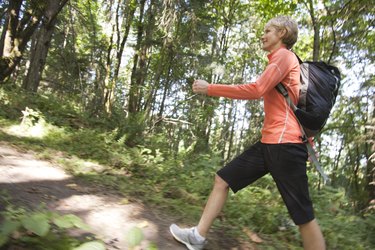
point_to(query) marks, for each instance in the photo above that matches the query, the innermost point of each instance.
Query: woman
(280, 151)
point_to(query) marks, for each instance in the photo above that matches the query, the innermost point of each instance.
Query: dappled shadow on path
(110, 215)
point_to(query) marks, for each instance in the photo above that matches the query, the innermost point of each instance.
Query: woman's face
(271, 39)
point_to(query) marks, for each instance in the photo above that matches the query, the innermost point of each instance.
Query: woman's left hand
(200, 87)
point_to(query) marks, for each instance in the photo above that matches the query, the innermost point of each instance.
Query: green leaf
(135, 236)
(37, 223)
(9, 226)
(69, 221)
(63, 222)
(80, 224)
(92, 245)
(152, 246)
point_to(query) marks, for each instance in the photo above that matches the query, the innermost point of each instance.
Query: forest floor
(30, 182)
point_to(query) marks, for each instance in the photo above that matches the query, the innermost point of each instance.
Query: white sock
(197, 235)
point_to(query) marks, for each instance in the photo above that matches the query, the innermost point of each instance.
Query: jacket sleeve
(278, 68)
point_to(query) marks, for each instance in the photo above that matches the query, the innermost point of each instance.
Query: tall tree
(21, 20)
(41, 45)
(316, 27)
(123, 20)
(144, 33)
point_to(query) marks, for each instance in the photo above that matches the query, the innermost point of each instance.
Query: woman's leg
(311, 235)
(214, 205)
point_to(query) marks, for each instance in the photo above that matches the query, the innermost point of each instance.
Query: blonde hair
(289, 25)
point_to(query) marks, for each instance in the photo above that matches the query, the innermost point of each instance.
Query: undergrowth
(178, 184)
(23, 228)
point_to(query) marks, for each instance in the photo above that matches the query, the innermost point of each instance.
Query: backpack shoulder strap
(314, 160)
(282, 90)
(299, 59)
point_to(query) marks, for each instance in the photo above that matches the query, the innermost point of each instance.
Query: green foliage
(270, 8)
(259, 207)
(69, 221)
(30, 117)
(41, 230)
(93, 245)
(342, 228)
(134, 237)
(37, 224)
(130, 132)
(14, 102)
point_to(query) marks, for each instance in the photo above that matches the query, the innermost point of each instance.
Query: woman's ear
(282, 33)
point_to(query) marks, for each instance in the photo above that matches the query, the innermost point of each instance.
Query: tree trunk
(223, 140)
(38, 59)
(336, 164)
(40, 52)
(370, 155)
(371, 178)
(107, 80)
(232, 132)
(167, 86)
(316, 27)
(135, 78)
(10, 28)
(16, 34)
(128, 19)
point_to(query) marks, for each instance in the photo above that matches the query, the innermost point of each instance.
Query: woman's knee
(220, 183)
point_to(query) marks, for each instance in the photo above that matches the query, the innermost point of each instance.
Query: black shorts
(287, 165)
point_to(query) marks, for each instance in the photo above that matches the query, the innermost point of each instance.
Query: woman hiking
(280, 152)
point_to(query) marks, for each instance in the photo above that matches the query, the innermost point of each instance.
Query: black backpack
(320, 83)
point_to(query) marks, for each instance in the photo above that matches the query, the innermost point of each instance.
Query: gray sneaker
(186, 236)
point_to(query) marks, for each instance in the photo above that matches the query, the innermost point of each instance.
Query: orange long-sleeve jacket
(280, 124)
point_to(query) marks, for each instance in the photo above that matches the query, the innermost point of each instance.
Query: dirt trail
(30, 181)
